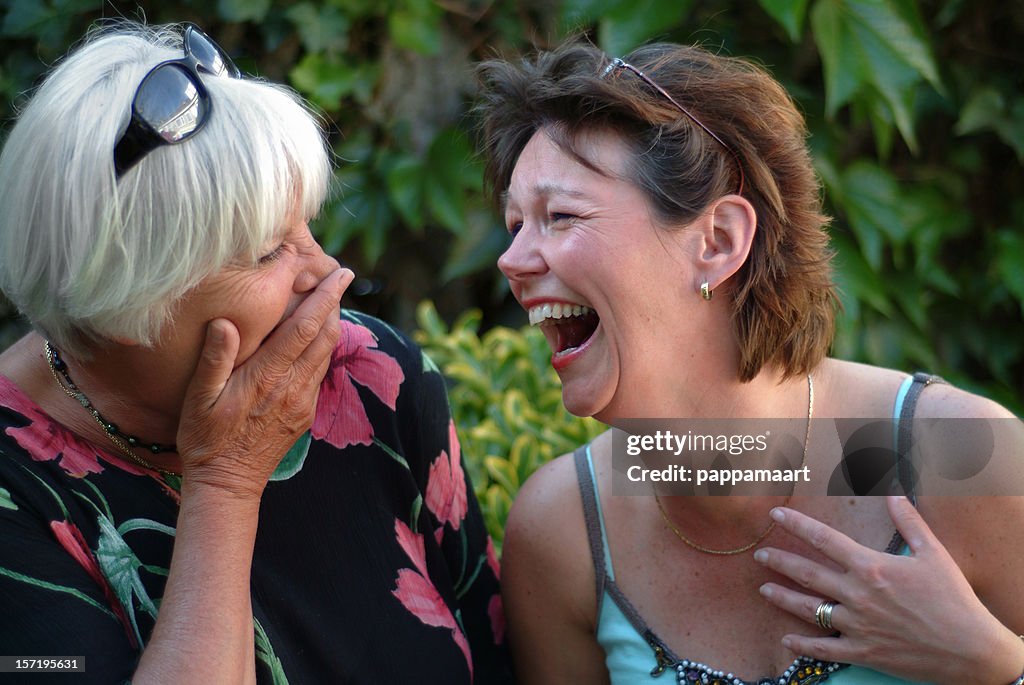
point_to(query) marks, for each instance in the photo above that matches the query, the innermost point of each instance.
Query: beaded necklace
(123, 441)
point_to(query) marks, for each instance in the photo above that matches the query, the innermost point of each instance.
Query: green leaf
(334, 227)
(983, 110)
(322, 29)
(789, 13)
(914, 300)
(1011, 129)
(477, 248)
(5, 500)
(1010, 262)
(844, 73)
(74, 6)
(25, 18)
(324, 79)
(428, 364)
(986, 110)
(265, 653)
(243, 10)
(910, 36)
(364, 210)
(360, 8)
(294, 459)
(430, 323)
(390, 452)
(450, 172)
(882, 123)
(121, 567)
(628, 25)
(374, 234)
(876, 42)
(575, 14)
(502, 472)
(417, 27)
(871, 202)
(145, 524)
(74, 592)
(406, 181)
(855, 276)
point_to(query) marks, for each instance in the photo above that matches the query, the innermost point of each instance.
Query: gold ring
(823, 614)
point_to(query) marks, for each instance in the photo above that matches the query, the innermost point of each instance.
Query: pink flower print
(496, 612)
(46, 440)
(340, 416)
(73, 542)
(446, 486)
(417, 594)
(492, 558)
(495, 609)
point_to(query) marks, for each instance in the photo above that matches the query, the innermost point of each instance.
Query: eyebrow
(547, 190)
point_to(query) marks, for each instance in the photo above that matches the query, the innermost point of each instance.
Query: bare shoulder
(548, 581)
(545, 535)
(971, 457)
(864, 390)
(855, 390)
(549, 495)
(945, 401)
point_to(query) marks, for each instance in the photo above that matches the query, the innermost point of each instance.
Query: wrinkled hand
(237, 424)
(914, 617)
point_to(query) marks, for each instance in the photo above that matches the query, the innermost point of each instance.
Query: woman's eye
(514, 228)
(272, 257)
(559, 217)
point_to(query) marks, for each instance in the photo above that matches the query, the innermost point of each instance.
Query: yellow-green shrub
(507, 404)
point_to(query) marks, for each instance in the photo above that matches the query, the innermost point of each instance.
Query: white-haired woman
(205, 474)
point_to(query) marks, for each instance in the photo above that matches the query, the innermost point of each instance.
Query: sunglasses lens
(208, 55)
(169, 102)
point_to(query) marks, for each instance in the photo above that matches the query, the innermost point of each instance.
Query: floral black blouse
(372, 564)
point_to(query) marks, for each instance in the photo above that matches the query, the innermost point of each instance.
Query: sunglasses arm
(138, 140)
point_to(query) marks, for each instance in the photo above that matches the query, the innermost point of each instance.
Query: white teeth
(542, 313)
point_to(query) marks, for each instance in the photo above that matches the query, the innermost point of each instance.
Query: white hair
(86, 256)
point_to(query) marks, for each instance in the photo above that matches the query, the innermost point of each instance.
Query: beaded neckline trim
(803, 671)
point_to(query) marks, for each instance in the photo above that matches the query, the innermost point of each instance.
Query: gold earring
(705, 291)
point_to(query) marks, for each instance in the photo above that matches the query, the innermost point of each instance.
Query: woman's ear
(725, 240)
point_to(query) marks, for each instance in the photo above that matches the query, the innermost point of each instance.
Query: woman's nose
(318, 265)
(522, 258)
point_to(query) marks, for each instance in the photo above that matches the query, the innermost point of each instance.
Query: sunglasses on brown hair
(618, 63)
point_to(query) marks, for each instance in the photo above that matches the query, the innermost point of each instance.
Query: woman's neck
(123, 383)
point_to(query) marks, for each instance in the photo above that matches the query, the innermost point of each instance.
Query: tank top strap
(903, 425)
(596, 535)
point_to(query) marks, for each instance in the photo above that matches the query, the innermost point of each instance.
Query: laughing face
(594, 272)
(256, 298)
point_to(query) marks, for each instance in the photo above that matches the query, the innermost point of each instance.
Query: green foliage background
(916, 109)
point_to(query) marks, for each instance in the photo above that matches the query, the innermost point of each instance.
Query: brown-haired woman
(668, 238)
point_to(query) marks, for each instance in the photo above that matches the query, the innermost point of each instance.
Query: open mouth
(567, 326)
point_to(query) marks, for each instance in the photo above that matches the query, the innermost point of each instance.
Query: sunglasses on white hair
(171, 103)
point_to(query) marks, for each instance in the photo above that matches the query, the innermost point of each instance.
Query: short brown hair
(783, 296)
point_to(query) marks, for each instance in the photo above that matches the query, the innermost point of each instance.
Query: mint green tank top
(634, 655)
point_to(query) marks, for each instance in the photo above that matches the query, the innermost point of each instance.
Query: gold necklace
(771, 526)
(74, 393)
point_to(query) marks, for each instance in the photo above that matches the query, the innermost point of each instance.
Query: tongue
(575, 331)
